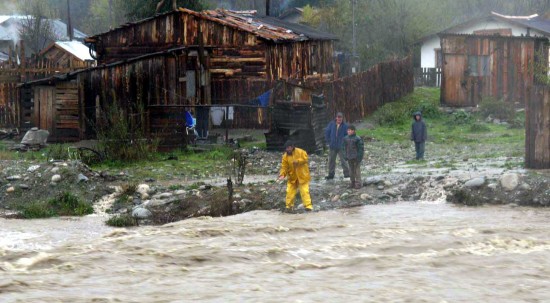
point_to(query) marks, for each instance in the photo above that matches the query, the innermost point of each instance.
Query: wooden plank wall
(66, 111)
(537, 133)
(242, 91)
(506, 74)
(137, 84)
(12, 114)
(299, 60)
(361, 94)
(234, 53)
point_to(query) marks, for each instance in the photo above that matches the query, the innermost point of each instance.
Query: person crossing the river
(295, 168)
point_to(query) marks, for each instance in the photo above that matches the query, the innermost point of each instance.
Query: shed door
(455, 83)
(44, 100)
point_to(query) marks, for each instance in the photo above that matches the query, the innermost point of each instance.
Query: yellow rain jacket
(298, 172)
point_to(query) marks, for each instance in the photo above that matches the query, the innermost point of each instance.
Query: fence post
(537, 128)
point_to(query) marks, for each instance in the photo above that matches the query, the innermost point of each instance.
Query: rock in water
(141, 213)
(476, 182)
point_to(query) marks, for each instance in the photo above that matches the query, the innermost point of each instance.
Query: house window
(438, 58)
(479, 66)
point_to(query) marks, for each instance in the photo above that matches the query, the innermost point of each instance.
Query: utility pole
(354, 38)
(69, 23)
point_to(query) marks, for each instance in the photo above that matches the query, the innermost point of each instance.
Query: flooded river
(406, 252)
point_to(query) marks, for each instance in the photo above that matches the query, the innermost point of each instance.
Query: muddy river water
(405, 252)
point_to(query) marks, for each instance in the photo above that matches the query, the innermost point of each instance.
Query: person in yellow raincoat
(295, 168)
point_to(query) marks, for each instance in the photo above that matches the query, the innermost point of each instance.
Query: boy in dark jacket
(354, 148)
(419, 134)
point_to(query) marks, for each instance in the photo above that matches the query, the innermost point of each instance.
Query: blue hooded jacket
(333, 139)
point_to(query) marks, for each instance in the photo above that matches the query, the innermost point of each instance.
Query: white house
(492, 24)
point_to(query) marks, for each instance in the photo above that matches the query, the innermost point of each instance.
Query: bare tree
(35, 29)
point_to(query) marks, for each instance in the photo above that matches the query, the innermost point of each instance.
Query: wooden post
(537, 128)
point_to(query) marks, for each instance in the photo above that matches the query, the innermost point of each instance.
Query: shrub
(497, 109)
(36, 210)
(518, 121)
(428, 109)
(461, 117)
(122, 135)
(58, 152)
(65, 204)
(125, 220)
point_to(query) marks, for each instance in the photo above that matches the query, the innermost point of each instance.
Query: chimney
(267, 7)
(69, 24)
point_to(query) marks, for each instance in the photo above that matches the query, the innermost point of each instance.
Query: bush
(428, 109)
(392, 113)
(461, 117)
(66, 204)
(58, 152)
(401, 111)
(125, 220)
(37, 210)
(122, 135)
(497, 109)
(518, 121)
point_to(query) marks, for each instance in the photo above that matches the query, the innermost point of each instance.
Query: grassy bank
(459, 134)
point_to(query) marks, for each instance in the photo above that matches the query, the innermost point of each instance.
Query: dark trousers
(355, 172)
(332, 162)
(419, 147)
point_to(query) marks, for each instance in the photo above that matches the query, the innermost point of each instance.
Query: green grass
(465, 133)
(66, 204)
(165, 166)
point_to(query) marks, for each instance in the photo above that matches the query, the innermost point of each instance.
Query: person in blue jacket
(335, 132)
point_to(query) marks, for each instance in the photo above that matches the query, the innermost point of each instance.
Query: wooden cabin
(245, 53)
(183, 59)
(497, 66)
(153, 85)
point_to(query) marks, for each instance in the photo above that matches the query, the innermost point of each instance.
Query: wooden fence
(537, 132)
(430, 77)
(361, 94)
(18, 69)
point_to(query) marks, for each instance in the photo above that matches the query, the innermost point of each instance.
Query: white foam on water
(21, 241)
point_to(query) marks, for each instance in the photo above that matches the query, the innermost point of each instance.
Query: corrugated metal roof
(533, 21)
(265, 27)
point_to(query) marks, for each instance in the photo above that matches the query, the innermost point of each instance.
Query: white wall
(427, 53)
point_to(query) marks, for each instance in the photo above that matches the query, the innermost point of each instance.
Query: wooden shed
(52, 104)
(69, 54)
(478, 66)
(247, 53)
(156, 86)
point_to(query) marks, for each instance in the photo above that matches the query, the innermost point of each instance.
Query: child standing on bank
(354, 148)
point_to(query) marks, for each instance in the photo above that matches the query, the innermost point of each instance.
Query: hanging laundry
(216, 114)
(230, 112)
(264, 98)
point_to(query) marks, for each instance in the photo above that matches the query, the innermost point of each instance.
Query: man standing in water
(296, 169)
(419, 134)
(334, 136)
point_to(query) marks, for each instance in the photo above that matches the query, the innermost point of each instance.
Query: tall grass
(122, 135)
